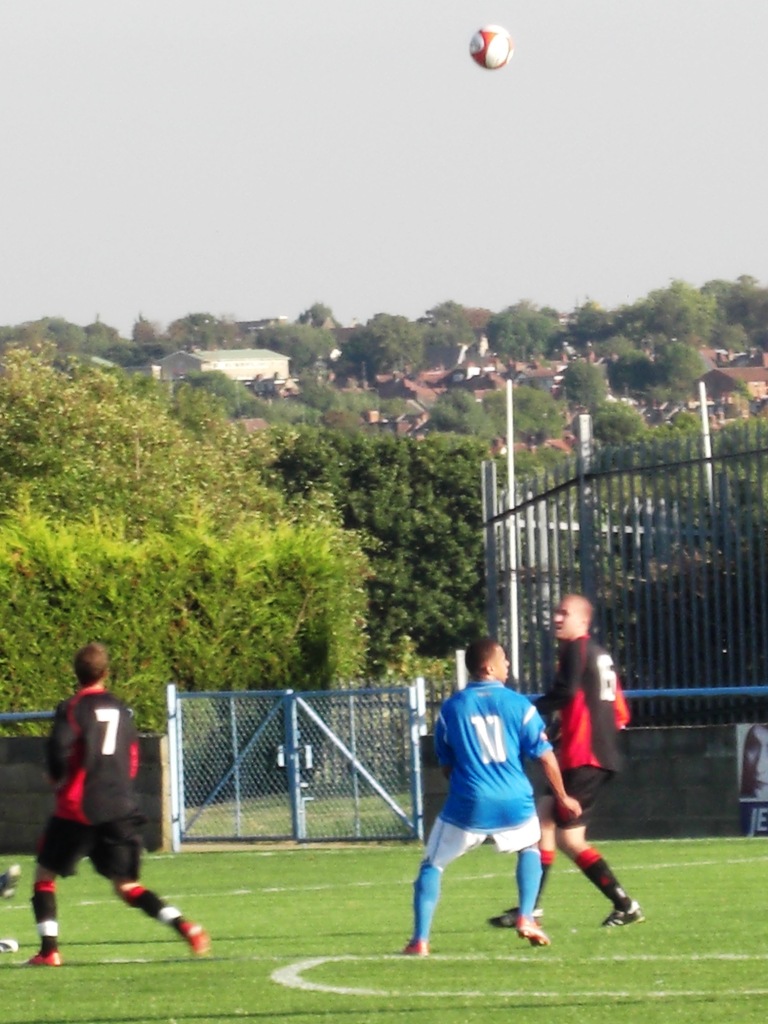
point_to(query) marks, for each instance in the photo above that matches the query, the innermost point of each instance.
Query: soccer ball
(491, 47)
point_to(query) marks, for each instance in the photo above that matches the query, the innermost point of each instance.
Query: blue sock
(528, 879)
(426, 893)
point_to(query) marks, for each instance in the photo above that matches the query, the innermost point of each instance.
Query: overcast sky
(248, 158)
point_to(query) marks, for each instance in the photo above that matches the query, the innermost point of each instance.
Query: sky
(248, 158)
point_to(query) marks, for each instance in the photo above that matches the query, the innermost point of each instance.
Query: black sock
(600, 875)
(144, 899)
(547, 859)
(44, 909)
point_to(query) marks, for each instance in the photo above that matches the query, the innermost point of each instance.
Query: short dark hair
(91, 663)
(479, 653)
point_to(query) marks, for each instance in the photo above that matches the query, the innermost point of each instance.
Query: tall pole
(514, 626)
(706, 440)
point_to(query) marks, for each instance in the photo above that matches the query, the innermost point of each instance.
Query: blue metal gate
(279, 765)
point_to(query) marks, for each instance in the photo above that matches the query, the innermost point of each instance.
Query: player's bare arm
(555, 779)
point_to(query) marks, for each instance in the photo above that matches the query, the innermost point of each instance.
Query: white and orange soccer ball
(491, 47)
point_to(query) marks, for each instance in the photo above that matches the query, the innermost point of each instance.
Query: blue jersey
(484, 733)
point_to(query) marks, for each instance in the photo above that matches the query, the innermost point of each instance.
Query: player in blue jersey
(483, 735)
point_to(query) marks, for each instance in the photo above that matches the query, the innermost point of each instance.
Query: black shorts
(114, 848)
(585, 784)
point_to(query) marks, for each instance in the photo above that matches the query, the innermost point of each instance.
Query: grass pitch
(307, 935)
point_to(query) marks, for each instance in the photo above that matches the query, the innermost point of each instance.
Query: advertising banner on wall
(752, 744)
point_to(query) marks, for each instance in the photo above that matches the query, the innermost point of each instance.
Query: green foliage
(683, 423)
(448, 326)
(589, 325)
(308, 345)
(234, 399)
(283, 412)
(385, 344)
(50, 333)
(101, 339)
(617, 424)
(523, 332)
(537, 415)
(678, 367)
(203, 331)
(318, 315)
(261, 608)
(418, 509)
(680, 312)
(584, 385)
(94, 440)
(632, 373)
(458, 412)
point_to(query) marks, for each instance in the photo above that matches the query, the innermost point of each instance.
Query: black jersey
(93, 757)
(587, 693)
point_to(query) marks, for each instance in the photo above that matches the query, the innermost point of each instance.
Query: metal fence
(670, 541)
(276, 765)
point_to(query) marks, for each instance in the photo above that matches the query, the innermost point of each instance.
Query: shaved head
(573, 617)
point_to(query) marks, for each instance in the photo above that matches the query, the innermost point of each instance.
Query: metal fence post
(417, 706)
(293, 766)
(490, 508)
(174, 764)
(586, 505)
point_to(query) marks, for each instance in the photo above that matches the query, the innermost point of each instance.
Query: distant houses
(734, 387)
(723, 382)
(241, 364)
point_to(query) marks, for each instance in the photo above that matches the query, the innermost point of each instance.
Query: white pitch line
(292, 976)
(267, 890)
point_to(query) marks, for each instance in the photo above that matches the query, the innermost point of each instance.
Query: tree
(150, 344)
(341, 419)
(537, 415)
(742, 305)
(584, 385)
(384, 345)
(631, 374)
(523, 332)
(417, 506)
(94, 442)
(618, 424)
(318, 315)
(263, 605)
(308, 347)
(46, 335)
(100, 339)
(678, 367)
(680, 312)
(458, 412)
(682, 423)
(317, 395)
(234, 399)
(588, 326)
(449, 322)
(203, 331)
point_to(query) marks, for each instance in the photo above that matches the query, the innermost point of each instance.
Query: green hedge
(261, 608)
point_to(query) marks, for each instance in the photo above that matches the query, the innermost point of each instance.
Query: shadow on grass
(534, 1005)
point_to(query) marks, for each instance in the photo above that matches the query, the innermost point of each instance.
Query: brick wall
(26, 800)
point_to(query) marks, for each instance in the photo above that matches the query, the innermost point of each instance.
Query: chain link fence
(280, 765)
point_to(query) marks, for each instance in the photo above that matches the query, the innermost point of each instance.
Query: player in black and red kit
(588, 707)
(93, 758)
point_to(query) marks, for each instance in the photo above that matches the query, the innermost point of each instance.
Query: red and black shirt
(93, 757)
(587, 693)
